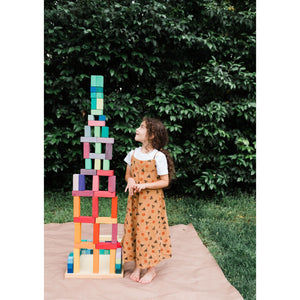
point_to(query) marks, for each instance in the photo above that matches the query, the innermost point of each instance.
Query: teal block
(93, 80)
(99, 95)
(105, 131)
(88, 163)
(93, 95)
(93, 103)
(100, 81)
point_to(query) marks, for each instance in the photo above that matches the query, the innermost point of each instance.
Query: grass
(227, 227)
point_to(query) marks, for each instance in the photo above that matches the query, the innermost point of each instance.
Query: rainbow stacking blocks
(99, 257)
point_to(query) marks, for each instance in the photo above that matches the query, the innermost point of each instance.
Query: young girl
(146, 232)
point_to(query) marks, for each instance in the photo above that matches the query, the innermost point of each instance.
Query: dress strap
(155, 154)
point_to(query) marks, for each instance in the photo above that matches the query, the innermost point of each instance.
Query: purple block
(81, 182)
(88, 171)
(108, 151)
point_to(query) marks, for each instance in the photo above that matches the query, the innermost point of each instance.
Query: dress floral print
(146, 232)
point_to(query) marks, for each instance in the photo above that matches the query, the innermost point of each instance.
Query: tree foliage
(189, 63)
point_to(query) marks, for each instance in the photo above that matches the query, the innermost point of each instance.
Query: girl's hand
(139, 187)
(130, 186)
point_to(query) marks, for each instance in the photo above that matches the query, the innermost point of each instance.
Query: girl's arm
(160, 184)
(130, 181)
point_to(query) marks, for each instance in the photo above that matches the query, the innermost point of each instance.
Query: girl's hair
(158, 137)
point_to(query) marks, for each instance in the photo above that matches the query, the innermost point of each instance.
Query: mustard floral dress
(146, 232)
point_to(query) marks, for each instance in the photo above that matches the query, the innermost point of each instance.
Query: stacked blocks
(97, 153)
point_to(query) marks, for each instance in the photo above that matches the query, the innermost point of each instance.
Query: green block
(93, 95)
(105, 131)
(98, 148)
(97, 112)
(88, 163)
(106, 164)
(99, 95)
(100, 81)
(93, 80)
(97, 131)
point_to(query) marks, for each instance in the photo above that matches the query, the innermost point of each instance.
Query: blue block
(102, 118)
(93, 89)
(81, 182)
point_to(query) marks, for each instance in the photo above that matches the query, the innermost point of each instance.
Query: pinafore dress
(146, 232)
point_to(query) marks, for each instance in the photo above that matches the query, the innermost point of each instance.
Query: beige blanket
(192, 272)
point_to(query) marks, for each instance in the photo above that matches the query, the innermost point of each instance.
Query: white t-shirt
(160, 159)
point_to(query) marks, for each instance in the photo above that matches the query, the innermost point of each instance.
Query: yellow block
(76, 260)
(112, 261)
(106, 220)
(99, 103)
(97, 164)
(77, 233)
(76, 206)
(96, 261)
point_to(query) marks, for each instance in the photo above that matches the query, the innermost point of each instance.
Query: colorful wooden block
(95, 207)
(105, 172)
(88, 163)
(87, 193)
(100, 81)
(81, 182)
(106, 164)
(84, 219)
(96, 233)
(97, 131)
(93, 95)
(97, 155)
(114, 233)
(114, 207)
(86, 245)
(91, 118)
(94, 103)
(97, 165)
(94, 80)
(96, 261)
(86, 150)
(112, 261)
(103, 194)
(98, 148)
(96, 123)
(112, 183)
(107, 246)
(95, 183)
(105, 131)
(97, 112)
(96, 89)
(84, 139)
(99, 103)
(75, 182)
(76, 260)
(87, 130)
(76, 206)
(77, 232)
(104, 140)
(99, 95)
(88, 172)
(108, 151)
(102, 118)
(106, 220)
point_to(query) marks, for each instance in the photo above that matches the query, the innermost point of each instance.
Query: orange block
(76, 260)
(112, 261)
(96, 233)
(85, 245)
(77, 233)
(76, 206)
(96, 261)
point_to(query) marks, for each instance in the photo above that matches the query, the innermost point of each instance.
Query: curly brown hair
(159, 138)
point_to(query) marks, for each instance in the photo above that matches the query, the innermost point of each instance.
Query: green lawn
(226, 225)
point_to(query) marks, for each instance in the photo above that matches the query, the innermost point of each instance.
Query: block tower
(101, 256)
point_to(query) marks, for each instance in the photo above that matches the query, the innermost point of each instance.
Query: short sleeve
(127, 159)
(161, 164)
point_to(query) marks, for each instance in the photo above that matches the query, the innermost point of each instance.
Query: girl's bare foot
(135, 276)
(148, 277)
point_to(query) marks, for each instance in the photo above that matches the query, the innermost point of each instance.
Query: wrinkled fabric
(191, 273)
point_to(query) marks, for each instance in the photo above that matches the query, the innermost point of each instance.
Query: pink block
(104, 194)
(112, 183)
(83, 193)
(105, 172)
(95, 207)
(114, 233)
(86, 150)
(95, 183)
(108, 151)
(96, 123)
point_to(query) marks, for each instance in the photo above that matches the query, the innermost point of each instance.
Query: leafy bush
(190, 63)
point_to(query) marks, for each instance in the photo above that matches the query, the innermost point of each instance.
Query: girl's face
(141, 133)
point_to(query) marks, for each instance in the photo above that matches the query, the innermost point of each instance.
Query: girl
(149, 169)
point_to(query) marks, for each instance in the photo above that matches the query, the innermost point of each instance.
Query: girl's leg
(135, 276)
(148, 277)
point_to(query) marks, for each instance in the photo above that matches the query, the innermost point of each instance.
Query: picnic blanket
(192, 272)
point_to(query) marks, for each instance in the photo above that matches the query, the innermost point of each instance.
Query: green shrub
(190, 63)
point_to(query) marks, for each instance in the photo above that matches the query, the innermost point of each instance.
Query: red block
(108, 246)
(86, 150)
(105, 172)
(104, 194)
(84, 220)
(114, 207)
(95, 207)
